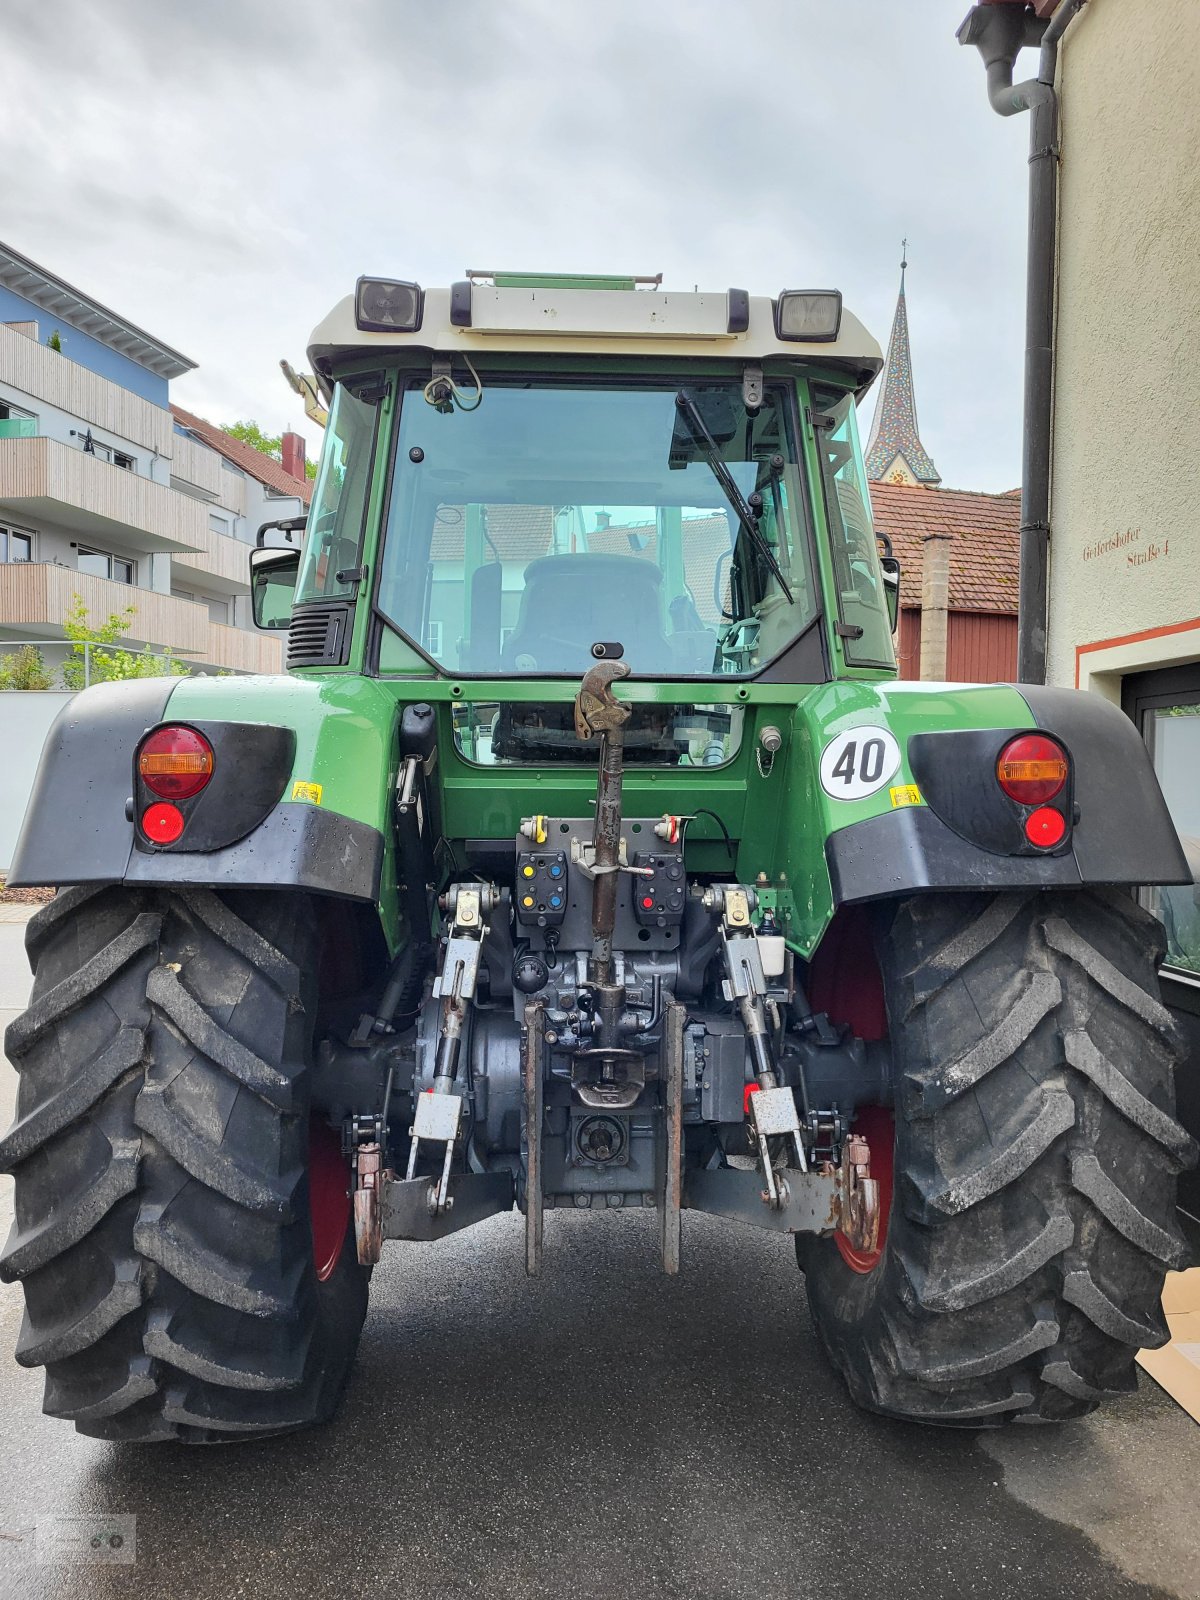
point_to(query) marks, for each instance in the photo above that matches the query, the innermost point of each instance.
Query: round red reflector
(175, 763)
(162, 823)
(1031, 769)
(1045, 827)
(648, 902)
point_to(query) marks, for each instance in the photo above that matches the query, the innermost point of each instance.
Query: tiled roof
(986, 541)
(251, 461)
(515, 533)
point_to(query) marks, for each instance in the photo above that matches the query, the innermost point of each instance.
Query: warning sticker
(905, 794)
(307, 791)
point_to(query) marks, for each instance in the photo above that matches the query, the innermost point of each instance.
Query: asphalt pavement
(602, 1432)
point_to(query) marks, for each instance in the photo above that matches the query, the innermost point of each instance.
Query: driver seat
(570, 602)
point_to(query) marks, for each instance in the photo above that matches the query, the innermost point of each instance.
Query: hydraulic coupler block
(659, 890)
(540, 897)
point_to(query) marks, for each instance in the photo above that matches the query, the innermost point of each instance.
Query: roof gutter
(1000, 32)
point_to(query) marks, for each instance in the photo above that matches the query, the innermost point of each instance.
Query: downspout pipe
(1000, 32)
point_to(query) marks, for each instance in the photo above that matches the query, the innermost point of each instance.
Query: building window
(16, 423)
(433, 638)
(99, 564)
(1165, 705)
(15, 545)
(105, 452)
(217, 524)
(218, 611)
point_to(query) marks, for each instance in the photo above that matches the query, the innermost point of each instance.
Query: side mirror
(891, 587)
(273, 576)
(287, 526)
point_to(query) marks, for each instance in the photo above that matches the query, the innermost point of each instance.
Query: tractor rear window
(552, 516)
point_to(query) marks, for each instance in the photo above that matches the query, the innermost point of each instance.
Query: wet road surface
(603, 1432)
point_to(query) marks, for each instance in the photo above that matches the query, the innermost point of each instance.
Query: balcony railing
(88, 495)
(237, 650)
(49, 375)
(39, 595)
(197, 465)
(221, 556)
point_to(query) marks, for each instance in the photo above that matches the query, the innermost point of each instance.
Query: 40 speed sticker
(858, 762)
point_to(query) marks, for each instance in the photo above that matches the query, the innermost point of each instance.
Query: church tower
(895, 453)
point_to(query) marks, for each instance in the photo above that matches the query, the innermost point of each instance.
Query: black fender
(968, 835)
(80, 824)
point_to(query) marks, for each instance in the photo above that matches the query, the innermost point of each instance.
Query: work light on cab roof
(532, 302)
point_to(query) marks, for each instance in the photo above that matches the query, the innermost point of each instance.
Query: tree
(267, 444)
(108, 664)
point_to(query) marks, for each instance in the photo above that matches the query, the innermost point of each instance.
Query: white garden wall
(25, 719)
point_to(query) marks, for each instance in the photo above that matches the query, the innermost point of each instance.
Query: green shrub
(105, 662)
(25, 669)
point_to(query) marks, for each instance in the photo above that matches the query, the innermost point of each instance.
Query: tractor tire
(1030, 1210)
(182, 1234)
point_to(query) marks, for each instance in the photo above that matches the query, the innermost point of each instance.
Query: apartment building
(107, 493)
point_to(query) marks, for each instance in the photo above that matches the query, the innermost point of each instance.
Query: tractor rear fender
(950, 826)
(265, 818)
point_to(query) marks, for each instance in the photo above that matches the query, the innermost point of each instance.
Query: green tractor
(589, 855)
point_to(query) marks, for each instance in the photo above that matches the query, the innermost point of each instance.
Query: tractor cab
(587, 463)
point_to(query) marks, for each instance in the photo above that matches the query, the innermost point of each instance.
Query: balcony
(237, 650)
(35, 596)
(224, 560)
(50, 376)
(197, 466)
(43, 479)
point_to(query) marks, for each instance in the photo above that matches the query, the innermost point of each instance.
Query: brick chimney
(292, 451)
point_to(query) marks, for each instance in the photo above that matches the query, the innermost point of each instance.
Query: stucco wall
(1126, 473)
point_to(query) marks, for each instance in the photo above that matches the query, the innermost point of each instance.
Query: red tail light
(1032, 769)
(163, 823)
(175, 763)
(1045, 827)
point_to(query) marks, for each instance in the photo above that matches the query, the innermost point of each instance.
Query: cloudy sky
(220, 171)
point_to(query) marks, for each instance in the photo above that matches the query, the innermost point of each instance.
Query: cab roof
(541, 315)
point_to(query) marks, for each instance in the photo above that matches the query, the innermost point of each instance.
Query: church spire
(895, 453)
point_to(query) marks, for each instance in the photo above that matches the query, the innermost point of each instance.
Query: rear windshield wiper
(690, 412)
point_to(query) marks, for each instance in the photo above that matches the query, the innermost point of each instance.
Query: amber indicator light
(175, 763)
(1032, 769)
